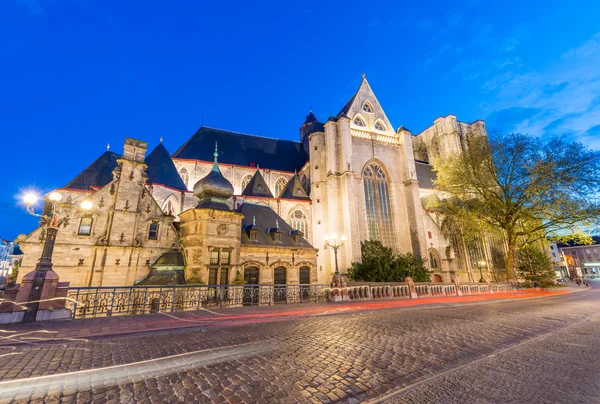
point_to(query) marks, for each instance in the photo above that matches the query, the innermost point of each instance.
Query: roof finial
(108, 147)
(253, 220)
(295, 171)
(161, 139)
(258, 166)
(216, 152)
(276, 223)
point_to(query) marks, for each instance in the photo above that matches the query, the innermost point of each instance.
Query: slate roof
(161, 169)
(265, 219)
(425, 174)
(97, 174)
(243, 150)
(257, 187)
(294, 190)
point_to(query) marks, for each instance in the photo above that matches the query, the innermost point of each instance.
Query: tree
(535, 266)
(572, 239)
(380, 264)
(527, 188)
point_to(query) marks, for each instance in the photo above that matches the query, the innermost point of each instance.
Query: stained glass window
(379, 126)
(380, 224)
(246, 181)
(279, 187)
(358, 121)
(299, 221)
(367, 107)
(434, 259)
(183, 173)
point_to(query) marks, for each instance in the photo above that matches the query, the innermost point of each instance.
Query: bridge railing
(85, 302)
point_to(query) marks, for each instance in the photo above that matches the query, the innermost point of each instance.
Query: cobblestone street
(524, 350)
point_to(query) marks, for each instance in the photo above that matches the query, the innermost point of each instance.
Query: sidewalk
(103, 327)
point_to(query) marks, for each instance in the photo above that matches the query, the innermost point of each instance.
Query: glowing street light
(86, 205)
(52, 223)
(30, 198)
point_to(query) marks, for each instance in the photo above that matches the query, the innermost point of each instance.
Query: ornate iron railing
(88, 302)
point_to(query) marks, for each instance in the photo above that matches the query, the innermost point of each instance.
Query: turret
(310, 125)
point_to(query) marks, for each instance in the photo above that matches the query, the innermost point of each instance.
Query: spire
(214, 190)
(216, 154)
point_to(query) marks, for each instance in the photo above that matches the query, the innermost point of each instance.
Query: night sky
(76, 75)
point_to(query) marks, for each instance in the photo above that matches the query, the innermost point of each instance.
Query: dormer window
(359, 122)
(153, 231)
(253, 235)
(367, 108)
(296, 236)
(379, 126)
(277, 237)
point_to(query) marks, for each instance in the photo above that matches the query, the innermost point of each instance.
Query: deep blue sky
(78, 74)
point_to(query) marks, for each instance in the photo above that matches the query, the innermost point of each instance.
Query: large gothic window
(279, 187)
(183, 173)
(379, 210)
(298, 221)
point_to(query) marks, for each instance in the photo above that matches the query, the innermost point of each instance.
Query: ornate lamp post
(335, 247)
(338, 285)
(481, 264)
(44, 264)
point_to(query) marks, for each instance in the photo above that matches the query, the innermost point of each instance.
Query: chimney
(134, 150)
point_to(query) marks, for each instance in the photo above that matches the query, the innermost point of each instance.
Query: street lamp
(335, 247)
(44, 264)
(481, 264)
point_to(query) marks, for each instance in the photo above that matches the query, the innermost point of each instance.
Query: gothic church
(258, 208)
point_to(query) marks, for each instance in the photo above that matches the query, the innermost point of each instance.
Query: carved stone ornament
(222, 229)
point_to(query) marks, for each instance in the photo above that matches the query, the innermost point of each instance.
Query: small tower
(310, 125)
(211, 228)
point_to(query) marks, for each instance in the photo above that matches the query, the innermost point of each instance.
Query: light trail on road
(129, 373)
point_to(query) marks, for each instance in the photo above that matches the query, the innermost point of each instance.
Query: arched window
(279, 187)
(299, 221)
(359, 122)
(434, 259)
(367, 107)
(379, 126)
(246, 181)
(185, 176)
(380, 224)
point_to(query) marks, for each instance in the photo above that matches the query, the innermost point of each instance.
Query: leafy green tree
(527, 188)
(535, 266)
(380, 264)
(572, 239)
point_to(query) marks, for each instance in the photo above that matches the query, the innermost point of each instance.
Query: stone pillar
(411, 287)
(339, 289)
(457, 286)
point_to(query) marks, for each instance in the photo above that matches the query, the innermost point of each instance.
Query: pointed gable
(365, 107)
(257, 187)
(161, 169)
(97, 174)
(294, 190)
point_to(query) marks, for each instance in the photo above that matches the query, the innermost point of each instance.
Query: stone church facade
(353, 175)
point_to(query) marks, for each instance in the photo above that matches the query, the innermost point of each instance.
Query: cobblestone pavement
(535, 350)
